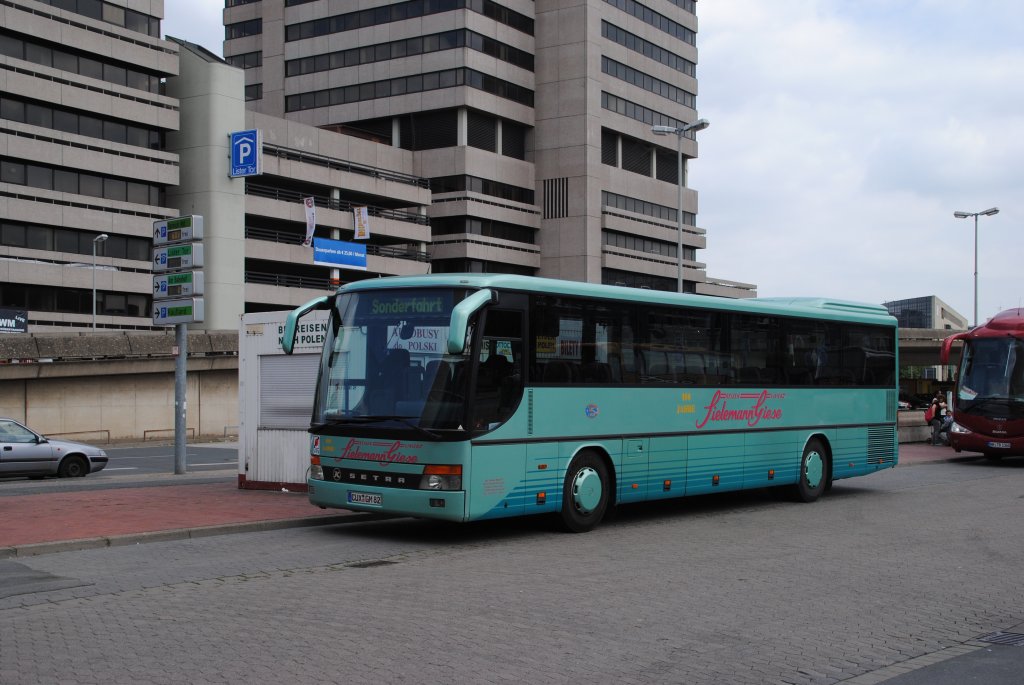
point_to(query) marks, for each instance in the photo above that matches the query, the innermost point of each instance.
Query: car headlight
(958, 429)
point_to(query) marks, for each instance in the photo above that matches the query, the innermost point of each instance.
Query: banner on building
(339, 254)
(362, 223)
(13, 321)
(310, 220)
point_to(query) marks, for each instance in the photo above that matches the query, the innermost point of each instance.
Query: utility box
(275, 399)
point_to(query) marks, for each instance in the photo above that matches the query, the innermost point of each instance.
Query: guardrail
(92, 432)
(340, 165)
(330, 203)
(145, 434)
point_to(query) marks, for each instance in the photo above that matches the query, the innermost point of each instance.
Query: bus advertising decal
(591, 411)
(383, 453)
(719, 411)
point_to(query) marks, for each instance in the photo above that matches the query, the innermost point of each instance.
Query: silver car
(23, 452)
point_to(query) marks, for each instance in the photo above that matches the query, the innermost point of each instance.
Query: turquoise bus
(467, 396)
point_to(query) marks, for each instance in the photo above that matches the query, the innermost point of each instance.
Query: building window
(400, 11)
(42, 176)
(252, 27)
(481, 131)
(410, 84)
(648, 49)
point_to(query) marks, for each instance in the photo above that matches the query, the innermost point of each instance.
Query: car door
(22, 451)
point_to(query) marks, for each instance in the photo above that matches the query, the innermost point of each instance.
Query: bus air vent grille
(881, 445)
(529, 412)
(890, 405)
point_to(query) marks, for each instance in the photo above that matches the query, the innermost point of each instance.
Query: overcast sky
(843, 137)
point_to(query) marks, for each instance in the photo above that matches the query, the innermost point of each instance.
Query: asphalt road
(892, 576)
(160, 459)
(219, 461)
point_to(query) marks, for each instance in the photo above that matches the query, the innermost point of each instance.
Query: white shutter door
(287, 385)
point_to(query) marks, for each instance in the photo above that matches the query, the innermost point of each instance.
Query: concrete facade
(532, 121)
(118, 385)
(82, 129)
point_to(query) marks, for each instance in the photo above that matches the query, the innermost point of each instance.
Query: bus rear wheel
(814, 472)
(585, 494)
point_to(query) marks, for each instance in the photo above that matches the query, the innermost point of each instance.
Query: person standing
(938, 416)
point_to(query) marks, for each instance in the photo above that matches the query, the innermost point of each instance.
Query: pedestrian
(938, 416)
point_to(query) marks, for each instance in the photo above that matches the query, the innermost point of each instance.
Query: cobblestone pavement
(897, 568)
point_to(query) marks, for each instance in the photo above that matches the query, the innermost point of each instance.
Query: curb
(57, 546)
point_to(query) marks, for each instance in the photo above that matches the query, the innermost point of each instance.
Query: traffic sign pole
(177, 254)
(180, 398)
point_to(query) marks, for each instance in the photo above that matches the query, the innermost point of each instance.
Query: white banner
(310, 220)
(362, 217)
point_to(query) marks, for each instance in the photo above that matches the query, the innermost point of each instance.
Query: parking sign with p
(246, 153)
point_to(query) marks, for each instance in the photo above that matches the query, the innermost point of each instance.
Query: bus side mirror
(292, 321)
(462, 313)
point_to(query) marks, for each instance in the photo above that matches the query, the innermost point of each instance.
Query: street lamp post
(680, 131)
(964, 215)
(95, 241)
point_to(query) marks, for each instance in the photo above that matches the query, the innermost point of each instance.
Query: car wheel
(586, 493)
(73, 467)
(814, 470)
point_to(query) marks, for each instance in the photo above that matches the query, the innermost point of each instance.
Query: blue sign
(339, 254)
(246, 153)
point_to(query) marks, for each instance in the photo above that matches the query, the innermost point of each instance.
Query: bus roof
(808, 307)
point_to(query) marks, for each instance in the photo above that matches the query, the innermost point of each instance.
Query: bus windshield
(385, 363)
(992, 375)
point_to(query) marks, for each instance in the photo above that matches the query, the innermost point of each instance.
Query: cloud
(843, 137)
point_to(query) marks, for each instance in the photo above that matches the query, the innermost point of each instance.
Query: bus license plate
(364, 498)
(1000, 445)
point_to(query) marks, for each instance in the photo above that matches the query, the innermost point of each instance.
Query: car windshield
(992, 373)
(385, 362)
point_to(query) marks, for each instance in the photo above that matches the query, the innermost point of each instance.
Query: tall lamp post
(680, 131)
(95, 241)
(964, 215)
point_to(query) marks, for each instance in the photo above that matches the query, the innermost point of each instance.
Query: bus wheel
(813, 472)
(585, 494)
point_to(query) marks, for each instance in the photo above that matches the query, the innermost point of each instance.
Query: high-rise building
(531, 120)
(83, 166)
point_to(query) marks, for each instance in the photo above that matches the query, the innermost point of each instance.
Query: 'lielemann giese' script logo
(719, 410)
(381, 452)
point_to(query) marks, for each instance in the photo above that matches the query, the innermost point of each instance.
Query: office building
(531, 120)
(83, 128)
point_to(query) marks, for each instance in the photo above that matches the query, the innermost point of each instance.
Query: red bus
(988, 400)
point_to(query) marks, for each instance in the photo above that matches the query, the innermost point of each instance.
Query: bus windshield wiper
(373, 418)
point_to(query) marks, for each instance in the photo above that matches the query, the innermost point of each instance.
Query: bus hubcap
(813, 469)
(586, 490)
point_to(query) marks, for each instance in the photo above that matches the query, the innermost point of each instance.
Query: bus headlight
(958, 429)
(441, 477)
(316, 472)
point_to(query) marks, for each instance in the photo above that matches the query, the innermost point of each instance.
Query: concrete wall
(123, 407)
(118, 386)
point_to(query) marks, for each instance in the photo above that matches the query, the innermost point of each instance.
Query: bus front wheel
(585, 494)
(814, 472)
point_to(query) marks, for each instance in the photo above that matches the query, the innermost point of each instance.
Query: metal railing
(362, 169)
(339, 205)
(292, 238)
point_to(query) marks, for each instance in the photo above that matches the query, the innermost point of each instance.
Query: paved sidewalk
(164, 507)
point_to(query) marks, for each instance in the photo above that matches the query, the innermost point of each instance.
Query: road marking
(121, 468)
(216, 463)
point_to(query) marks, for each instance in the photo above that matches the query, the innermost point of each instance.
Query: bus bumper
(987, 444)
(445, 505)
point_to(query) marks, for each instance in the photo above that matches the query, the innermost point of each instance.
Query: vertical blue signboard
(246, 153)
